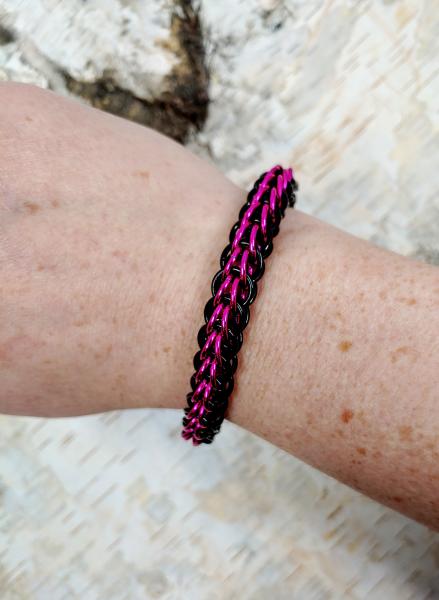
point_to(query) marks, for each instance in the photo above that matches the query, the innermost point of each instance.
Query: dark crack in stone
(427, 254)
(6, 35)
(183, 106)
(424, 234)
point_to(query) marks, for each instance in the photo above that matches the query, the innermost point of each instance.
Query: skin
(109, 236)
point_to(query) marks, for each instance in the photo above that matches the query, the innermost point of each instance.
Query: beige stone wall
(116, 506)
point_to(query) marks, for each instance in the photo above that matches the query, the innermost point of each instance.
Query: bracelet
(226, 314)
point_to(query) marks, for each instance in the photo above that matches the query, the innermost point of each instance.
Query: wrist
(183, 258)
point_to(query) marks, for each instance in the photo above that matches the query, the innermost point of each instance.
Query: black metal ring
(252, 288)
(260, 260)
(240, 318)
(222, 383)
(229, 364)
(266, 247)
(230, 345)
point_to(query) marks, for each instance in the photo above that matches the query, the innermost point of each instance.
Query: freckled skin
(31, 207)
(143, 174)
(345, 345)
(406, 432)
(347, 415)
(108, 243)
(399, 353)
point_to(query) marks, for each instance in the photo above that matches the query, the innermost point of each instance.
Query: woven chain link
(226, 314)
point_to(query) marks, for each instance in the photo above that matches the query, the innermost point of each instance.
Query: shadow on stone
(6, 35)
(183, 106)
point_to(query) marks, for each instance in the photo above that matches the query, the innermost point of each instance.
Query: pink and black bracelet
(226, 314)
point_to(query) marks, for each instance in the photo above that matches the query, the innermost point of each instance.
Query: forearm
(340, 361)
(340, 365)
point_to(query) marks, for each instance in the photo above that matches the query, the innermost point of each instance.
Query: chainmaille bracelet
(226, 314)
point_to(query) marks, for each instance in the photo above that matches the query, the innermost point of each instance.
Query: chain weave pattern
(226, 314)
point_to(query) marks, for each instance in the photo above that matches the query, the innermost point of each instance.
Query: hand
(101, 259)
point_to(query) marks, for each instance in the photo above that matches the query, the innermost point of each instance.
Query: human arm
(109, 237)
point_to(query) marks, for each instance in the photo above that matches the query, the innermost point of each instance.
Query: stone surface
(127, 39)
(140, 60)
(116, 506)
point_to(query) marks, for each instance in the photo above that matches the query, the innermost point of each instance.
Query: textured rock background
(115, 506)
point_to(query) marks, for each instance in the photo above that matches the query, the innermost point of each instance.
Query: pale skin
(109, 236)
